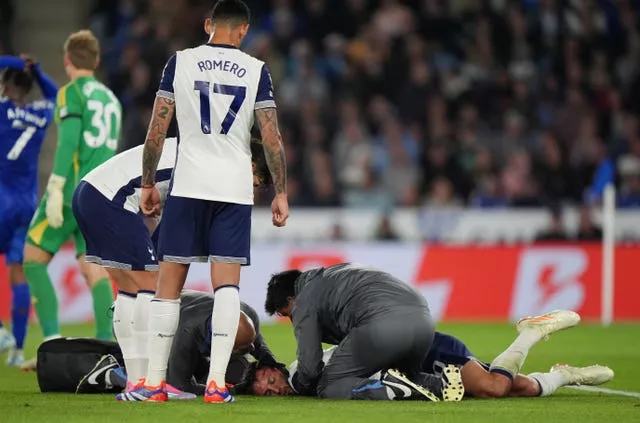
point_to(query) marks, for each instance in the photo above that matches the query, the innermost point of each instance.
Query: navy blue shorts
(115, 236)
(195, 230)
(445, 350)
(16, 211)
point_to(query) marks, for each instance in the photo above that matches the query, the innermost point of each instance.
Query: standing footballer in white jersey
(215, 90)
(106, 205)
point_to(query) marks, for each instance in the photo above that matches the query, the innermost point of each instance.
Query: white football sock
(224, 326)
(163, 322)
(123, 329)
(549, 382)
(141, 327)
(512, 359)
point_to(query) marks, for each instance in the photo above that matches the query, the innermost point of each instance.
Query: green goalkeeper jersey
(89, 118)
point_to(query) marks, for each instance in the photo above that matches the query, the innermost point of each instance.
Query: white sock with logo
(549, 382)
(224, 326)
(141, 328)
(123, 329)
(163, 322)
(512, 359)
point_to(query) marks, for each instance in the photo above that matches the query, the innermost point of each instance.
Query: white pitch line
(605, 391)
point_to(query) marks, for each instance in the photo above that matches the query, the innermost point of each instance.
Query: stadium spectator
(551, 169)
(442, 194)
(337, 233)
(7, 14)
(488, 194)
(587, 229)
(629, 166)
(555, 231)
(385, 231)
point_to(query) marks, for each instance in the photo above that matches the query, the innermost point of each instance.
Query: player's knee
(146, 281)
(36, 254)
(123, 279)
(224, 274)
(92, 272)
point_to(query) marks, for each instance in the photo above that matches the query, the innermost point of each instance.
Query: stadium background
(463, 145)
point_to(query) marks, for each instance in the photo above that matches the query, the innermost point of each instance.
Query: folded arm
(47, 85)
(309, 340)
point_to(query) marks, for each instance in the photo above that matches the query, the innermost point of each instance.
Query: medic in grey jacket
(377, 321)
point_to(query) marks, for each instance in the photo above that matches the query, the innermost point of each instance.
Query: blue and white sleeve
(166, 83)
(264, 97)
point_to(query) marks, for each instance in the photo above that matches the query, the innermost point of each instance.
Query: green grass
(618, 347)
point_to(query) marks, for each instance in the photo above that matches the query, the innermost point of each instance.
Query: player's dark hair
(281, 286)
(258, 157)
(18, 78)
(246, 386)
(234, 11)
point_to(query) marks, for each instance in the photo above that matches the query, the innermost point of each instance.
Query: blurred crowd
(437, 103)
(7, 15)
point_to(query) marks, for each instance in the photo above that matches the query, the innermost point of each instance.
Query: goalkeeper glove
(55, 200)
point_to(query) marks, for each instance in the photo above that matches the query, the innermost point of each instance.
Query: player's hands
(150, 201)
(280, 210)
(29, 62)
(55, 201)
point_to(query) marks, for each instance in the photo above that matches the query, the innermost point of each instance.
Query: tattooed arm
(267, 120)
(163, 109)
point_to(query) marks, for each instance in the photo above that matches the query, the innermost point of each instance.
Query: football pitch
(617, 347)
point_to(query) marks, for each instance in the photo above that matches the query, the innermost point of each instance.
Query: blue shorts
(16, 211)
(445, 350)
(195, 230)
(115, 236)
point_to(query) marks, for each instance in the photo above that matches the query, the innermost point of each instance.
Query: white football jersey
(119, 178)
(216, 89)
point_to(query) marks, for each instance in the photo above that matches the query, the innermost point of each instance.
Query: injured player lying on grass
(323, 300)
(262, 375)
(477, 379)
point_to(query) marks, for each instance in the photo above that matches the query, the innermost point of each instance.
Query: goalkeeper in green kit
(89, 116)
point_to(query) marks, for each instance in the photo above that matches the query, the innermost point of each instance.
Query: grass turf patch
(617, 347)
